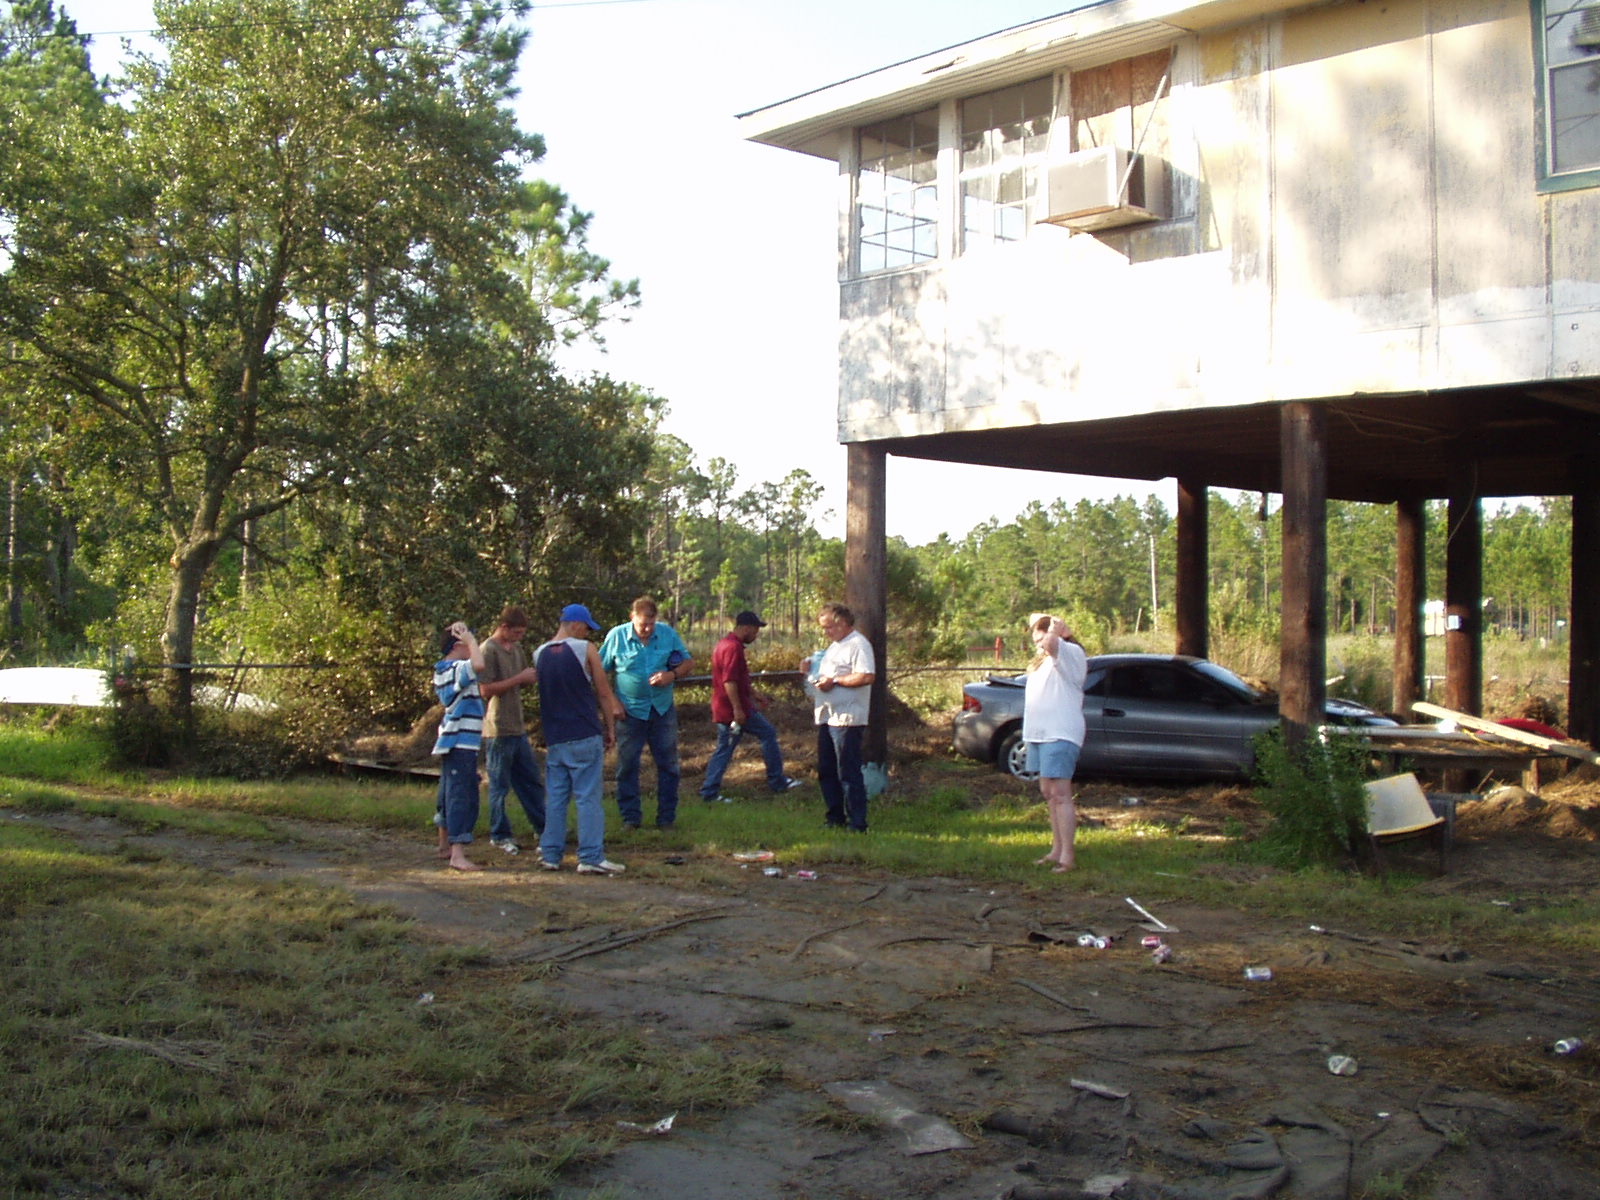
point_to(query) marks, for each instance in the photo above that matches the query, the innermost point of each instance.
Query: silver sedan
(1146, 715)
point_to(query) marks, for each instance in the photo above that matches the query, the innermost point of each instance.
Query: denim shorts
(1053, 760)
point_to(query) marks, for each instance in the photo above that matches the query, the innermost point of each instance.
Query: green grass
(168, 1033)
(933, 830)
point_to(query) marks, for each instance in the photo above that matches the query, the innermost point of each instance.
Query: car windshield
(1227, 679)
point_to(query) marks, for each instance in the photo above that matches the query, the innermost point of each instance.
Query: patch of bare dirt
(969, 1016)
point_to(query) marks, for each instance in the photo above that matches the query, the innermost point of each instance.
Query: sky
(733, 244)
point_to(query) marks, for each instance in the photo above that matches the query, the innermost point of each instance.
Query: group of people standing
(582, 714)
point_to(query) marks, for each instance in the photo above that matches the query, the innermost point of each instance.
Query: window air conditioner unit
(1094, 189)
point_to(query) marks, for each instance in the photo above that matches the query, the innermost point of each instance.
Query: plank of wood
(1575, 750)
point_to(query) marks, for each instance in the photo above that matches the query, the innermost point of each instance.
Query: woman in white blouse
(1052, 727)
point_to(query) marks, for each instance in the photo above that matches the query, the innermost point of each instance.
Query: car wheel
(1013, 756)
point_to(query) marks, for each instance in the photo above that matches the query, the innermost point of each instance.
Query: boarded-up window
(1112, 105)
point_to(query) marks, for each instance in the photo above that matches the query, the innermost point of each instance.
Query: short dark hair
(513, 617)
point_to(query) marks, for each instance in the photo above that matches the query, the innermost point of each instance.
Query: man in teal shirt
(645, 658)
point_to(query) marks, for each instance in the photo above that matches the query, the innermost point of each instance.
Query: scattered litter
(772, 872)
(1104, 1185)
(425, 998)
(1131, 801)
(1567, 1046)
(662, 1126)
(1501, 903)
(674, 860)
(925, 1134)
(1149, 916)
(1258, 974)
(1093, 941)
(1341, 1064)
(1099, 1089)
(1162, 953)
(805, 874)
(877, 1035)
(1150, 941)
(754, 856)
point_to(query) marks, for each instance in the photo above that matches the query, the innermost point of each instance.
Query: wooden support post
(1192, 599)
(1463, 606)
(1302, 689)
(1410, 594)
(866, 575)
(1583, 669)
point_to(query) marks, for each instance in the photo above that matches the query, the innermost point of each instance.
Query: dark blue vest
(567, 707)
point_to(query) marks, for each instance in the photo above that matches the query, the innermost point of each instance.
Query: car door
(1093, 757)
(1162, 719)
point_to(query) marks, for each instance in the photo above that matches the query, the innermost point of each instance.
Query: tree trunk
(189, 568)
(13, 570)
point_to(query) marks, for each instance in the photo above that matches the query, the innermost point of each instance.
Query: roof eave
(1101, 32)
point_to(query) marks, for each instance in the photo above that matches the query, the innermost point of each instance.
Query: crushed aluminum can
(805, 874)
(1150, 941)
(1258, 974)
(1341, 1064)
(1567, 1046)
(1093, 942)
(772, 872)
(1162, 953)
(1131, 801)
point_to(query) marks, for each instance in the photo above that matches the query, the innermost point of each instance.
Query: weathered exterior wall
(1356, 213)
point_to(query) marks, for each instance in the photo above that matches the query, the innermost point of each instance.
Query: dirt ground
(948, 1040)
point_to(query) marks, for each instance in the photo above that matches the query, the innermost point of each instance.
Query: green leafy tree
(259, 246)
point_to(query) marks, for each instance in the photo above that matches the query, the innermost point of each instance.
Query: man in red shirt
(736, 708)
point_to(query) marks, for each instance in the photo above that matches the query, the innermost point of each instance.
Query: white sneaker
(789, 785)
(550, 866)
(604, 867)
(505, 844)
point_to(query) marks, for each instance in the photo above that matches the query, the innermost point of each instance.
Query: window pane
(1005, 135)
(897, 192)
(1575, 117)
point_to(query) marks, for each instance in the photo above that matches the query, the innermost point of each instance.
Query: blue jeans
(576, 771)
(839, 774)
(660, 730)
(512, 767)
(457, 805)
(728, 742)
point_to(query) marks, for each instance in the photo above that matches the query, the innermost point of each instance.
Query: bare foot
(1063, 868)
(460, 862)
(1048, 858)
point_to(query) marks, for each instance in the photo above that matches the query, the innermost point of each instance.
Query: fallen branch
(611, 941)
(1052, 997)
(1099, 1089)
(800, 946)
(180, 1054)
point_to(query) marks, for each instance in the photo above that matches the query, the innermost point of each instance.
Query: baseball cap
(578, 612)
(748, 618)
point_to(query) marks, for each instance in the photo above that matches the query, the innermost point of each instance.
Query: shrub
(1314, 795)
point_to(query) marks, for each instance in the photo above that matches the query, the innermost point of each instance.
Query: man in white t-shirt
(841, 690)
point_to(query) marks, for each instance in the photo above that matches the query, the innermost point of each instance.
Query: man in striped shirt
(455, 681)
